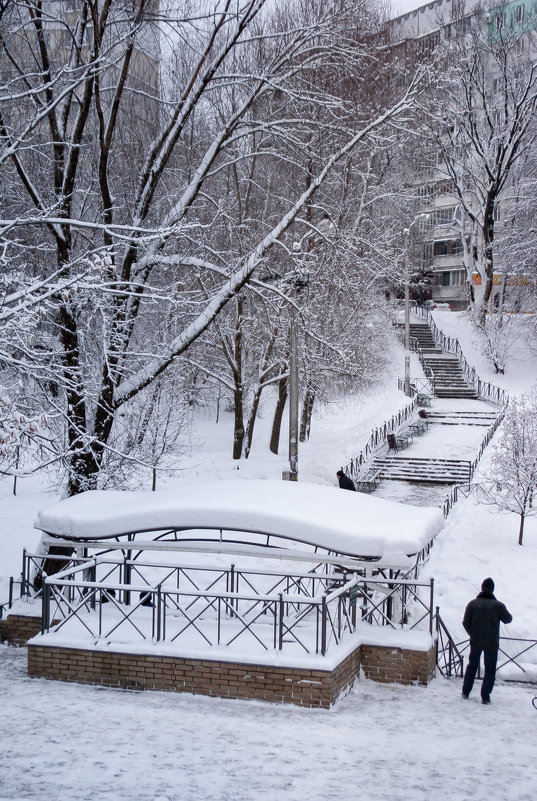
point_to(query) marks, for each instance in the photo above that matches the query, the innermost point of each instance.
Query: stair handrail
(378, 438)
(486, 439)
(484, 389)
(416, 348)
(449, 660)
(429, 375)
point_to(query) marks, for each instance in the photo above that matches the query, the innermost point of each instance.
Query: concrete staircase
(448, 378)
(422, 333)
(427, 471)
(466, 418)
(449, 381)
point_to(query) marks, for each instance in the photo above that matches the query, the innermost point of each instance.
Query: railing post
(431, 601)
(323, 625)
(45, 606)
(280, 620)
(159, 611)
(10, 602)
(231, 588)
(25, 578)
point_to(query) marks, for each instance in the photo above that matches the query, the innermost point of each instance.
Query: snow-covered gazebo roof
(342, 522)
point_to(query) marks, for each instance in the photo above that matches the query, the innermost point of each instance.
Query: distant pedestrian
(344, 481)
(482, 622)
(423, 414)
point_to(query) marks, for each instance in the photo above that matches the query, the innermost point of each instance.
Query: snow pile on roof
(345, 522)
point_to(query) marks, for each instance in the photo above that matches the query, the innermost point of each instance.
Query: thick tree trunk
(278, 414)
(307, 410)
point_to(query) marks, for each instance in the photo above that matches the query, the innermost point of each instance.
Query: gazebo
(272, 575)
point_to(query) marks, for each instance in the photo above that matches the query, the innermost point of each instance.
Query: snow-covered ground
(78, 743)
(381, 743)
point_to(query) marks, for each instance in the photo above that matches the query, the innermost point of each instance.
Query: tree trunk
(251, 423)
(278, 414)
(238, 394)
(521, 529)
(307, 410)
(238, 429)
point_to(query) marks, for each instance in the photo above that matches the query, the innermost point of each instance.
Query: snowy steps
(449, 381)
(426, 470)
(466, 418)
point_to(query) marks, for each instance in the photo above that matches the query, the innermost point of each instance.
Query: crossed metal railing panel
(307, 611)
(450, 654)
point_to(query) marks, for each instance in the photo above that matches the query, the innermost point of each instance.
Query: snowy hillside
(393, 742)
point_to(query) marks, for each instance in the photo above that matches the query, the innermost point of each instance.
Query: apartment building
(415, 35)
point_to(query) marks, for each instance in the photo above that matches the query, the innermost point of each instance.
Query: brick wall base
(398, 665)
(311, 688)
(18, 629)
(225, 679)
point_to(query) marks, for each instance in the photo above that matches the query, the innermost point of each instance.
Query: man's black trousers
(490, 658)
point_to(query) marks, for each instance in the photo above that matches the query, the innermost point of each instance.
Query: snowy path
(439, 441)
(381, 743)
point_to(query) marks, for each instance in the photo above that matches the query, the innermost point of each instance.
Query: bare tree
(513, 471)
(113, 203)
(485, 127)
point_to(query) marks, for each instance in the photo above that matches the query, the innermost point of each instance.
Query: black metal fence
(511, 666)
(215, 606)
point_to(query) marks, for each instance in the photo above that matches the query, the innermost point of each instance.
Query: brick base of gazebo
(310, 687)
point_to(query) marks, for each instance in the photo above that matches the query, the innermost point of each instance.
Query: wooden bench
(399, 441)
(419, 427)
(368, 481)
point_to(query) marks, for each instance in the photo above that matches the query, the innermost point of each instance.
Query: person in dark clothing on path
(482, 622)
(344, 481)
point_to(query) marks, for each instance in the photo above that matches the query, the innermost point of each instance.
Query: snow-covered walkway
(381, 743)
(439, 441)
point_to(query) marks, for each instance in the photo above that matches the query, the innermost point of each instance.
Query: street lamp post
(300, 279)
(406, 242)
(293, 395)
(406, 234)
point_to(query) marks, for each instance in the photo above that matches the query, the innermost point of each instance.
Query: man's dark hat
(339, 473)
(488, 585)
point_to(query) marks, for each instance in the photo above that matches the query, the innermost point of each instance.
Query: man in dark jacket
(344, 481)
(482, 622)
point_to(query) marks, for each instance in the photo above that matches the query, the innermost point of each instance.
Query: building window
(497, 212)
(444, 216)
(500, 21)
(451, 278)
(520, 13)
(447, 247)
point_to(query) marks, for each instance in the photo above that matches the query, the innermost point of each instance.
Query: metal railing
(217, 606)
(510, 667)
(449, 660)
(486, 439)
(484, 389)
(378, 439)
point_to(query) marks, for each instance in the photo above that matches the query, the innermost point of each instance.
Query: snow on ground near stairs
(381, 743)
